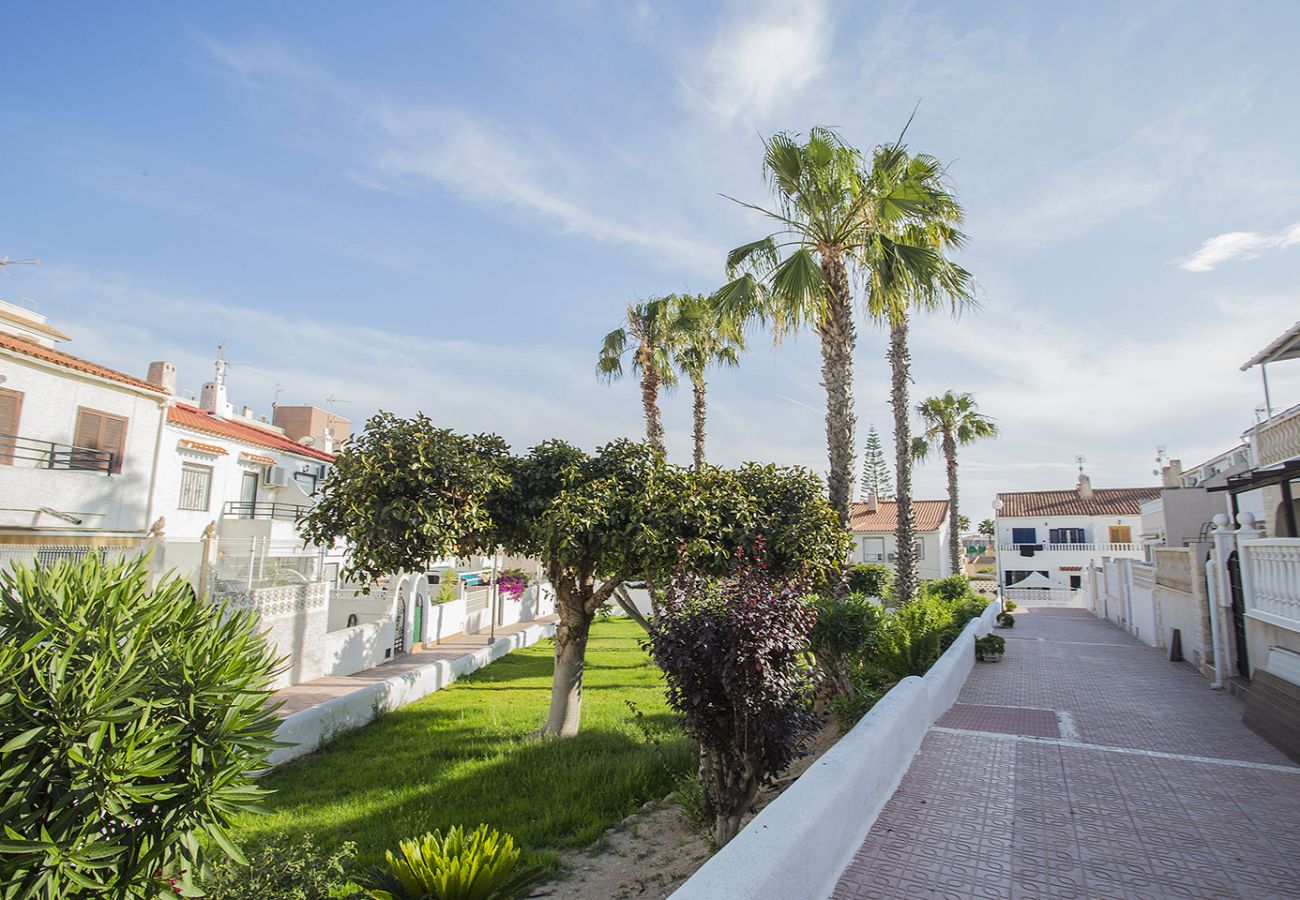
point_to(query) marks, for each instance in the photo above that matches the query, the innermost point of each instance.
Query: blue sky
(422, 206)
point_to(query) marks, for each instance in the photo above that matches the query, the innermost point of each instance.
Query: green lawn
(462, 755)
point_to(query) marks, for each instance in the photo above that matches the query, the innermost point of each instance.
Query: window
(873, 549)
(196, 486)
(11, 405)
(1076, 582)
(100, 431)
(920, 549)
(1024, 535)
(1065, 536)
(1121, 534)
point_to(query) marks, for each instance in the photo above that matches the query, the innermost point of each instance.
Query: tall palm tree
(952, 421)
(832, 223)
(923, 218)
(648, 332)
(704, 337)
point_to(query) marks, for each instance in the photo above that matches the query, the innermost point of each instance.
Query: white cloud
(762, 60)
(1239, 245)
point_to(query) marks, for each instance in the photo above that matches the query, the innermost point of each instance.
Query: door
(248, 494)
(11, 407)
(417, 621)
(1238, 614)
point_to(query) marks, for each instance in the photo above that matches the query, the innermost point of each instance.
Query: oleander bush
(131, 721)
(482, 864)
(842, 636)
(870, 579)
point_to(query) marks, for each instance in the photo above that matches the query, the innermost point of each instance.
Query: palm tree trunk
(955, 553)
(698, 387)
(900, 363)
(838, 339)
(654, 423)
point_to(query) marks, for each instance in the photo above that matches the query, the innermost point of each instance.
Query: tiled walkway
(1086, 765)
(309, 693)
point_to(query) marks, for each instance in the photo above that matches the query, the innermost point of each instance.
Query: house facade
(1048, 539)
(873, 524)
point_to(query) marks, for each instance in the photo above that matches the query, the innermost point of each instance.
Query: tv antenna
(1080, 460)
(6, 262)
(331, 400)
(1161, 459)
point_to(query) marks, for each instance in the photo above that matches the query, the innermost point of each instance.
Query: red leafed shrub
(733, 651)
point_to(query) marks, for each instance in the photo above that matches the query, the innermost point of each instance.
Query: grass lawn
(462, 755)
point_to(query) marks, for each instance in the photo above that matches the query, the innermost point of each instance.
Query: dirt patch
(651, 853)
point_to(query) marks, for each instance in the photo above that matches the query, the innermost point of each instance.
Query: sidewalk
(1086, 765)
(298, 697)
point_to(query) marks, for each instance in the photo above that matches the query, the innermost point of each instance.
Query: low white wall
(309, 729)
(801, 842)
(443, 620)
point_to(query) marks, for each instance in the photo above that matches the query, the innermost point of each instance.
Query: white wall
(104, 503)
(1096, 544)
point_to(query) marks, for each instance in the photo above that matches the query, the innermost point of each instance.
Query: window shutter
(11, 403)
(114, 440)
(89, 425)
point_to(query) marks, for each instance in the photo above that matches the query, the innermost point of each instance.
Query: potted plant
(990, 648)
(1009, 605)
(1006, 620)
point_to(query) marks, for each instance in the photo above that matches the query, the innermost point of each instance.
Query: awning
(1258, 478)
(1285, 346)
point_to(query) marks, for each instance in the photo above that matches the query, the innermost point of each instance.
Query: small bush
(871, 579)
(512, 583)
(732, 652)
(911, 638)
(989, 645)
(131, 721)
(448, 587)
(282, 869)
(1009, 605)
(953, 587)
(842, 638)
(480, 865)
(1006, 620)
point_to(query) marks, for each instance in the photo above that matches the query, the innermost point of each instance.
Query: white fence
(1044, 596)
(1271, 577)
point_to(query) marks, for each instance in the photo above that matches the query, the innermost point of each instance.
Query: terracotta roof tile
(928, 515)
(196, 419)
(1104, 502)
(68, 361)
(203, 448)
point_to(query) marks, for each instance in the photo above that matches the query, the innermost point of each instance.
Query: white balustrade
(1278, 439)
(1271, 580)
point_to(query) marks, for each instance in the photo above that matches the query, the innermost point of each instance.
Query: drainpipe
(1216, 641)
(157, 461)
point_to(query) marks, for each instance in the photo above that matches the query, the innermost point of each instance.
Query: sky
(444, 207)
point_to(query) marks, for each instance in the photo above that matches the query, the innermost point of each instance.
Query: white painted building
(77, 446)
(1048, 539)
(874, 524)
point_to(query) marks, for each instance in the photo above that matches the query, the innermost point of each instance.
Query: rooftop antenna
(1161, 459)
(278, 390)
(331, 400)
(1080, 460)
(6, 262)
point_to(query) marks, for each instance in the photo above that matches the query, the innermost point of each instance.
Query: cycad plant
(952, 421)
(913, 205)
(835, 223)
(480, 865)
(703, 337)
(648, 332)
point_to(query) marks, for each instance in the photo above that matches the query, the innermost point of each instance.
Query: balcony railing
(30, 453)
(1278, 439)
(243, 509)
(1076, 548)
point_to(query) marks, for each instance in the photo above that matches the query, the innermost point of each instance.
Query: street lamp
(997, 543)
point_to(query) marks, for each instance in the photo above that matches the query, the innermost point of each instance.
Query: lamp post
(997, 545)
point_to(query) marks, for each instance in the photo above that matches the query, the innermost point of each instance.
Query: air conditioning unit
(275, 476)
(891, 557)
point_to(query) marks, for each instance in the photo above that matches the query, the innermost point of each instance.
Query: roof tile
(196, 419)
(1104, 502)
(68, 361)
(928, 515)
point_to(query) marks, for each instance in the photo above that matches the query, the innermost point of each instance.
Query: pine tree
(875, 471)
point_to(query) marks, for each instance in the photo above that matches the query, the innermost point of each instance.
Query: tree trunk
(570, 650)
(654, 423)
(699, 388)
(954, 525)
(729, 789)
(900, 364)
(838, 338)
(624, 600)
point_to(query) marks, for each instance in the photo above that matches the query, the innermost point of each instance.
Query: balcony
(1278, 439)
(282, 512)
(30, 453)
(1074, 548)
(1271, 581)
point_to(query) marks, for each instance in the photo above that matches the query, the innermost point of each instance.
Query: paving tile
(988, 810)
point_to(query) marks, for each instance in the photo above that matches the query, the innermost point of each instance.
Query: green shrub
(480, 865)
(911, 638)
(130, 721)
(871, 579)
(953, 587)
(864, 690)
(282, 869)
(989, 645)
(448, 587)
(1006, 620)
(842, 637)
(1009, 605)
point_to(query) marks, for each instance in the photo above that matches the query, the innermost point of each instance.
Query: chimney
(213, 398)
(163, 374)
(328, 443)
(247, 412)
(1171, 476)
(873, 502)
(1085, 487)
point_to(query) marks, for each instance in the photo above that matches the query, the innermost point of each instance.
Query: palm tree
(703, 337)
(833, 222)
(952, 421)
(648, 332)
(922, 217)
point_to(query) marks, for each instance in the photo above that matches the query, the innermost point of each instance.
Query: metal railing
(261, 562)
(34, 454)
(48, 554)
(1043, 547)
(244, 509)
